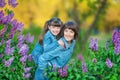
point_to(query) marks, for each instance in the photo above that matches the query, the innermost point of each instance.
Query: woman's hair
(52, 22)
(70, 25)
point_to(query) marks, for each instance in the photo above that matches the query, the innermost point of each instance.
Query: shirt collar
(66, 43)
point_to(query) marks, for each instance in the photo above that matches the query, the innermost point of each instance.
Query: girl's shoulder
(48, 33)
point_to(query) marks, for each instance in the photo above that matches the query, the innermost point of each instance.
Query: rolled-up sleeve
(46, 57)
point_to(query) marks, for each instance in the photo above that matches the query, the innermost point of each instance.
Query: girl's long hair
(52, 22)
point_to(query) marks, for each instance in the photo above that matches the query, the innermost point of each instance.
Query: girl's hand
(61, 43)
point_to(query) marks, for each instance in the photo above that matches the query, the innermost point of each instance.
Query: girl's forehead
(55, 26)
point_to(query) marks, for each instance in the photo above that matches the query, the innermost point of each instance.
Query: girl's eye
(53, 26)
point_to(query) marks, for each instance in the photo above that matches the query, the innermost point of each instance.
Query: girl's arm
(38, 50)
(51, 54)
(46, 57)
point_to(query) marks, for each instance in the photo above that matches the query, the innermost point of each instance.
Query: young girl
(61, 54)
(47, 40)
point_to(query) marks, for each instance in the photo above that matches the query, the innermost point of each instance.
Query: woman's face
(54, 30)
(69, 34)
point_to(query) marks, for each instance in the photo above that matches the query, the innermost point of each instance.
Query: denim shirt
(49, 43)
(59, 56)
(65, 55)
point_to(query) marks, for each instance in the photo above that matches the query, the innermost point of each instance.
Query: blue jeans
(39, 75)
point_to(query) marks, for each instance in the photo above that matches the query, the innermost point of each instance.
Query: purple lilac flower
(11, 35)
(27, 75)
(80, 57)
(1, 15)
(109, 63)
(8, 62)
(117, 49)
(7, 19)
(13, 3)
(26, 70)
(30, 57)
(2, 3)
(23, 59)
(116, 41)
(20, 40)
(93, 44)
(14, 22)
(3, 31)
(94, 60)
(29, 39)
(63, 71)
(8, 43)
(24, 49)
(20, 26)
(116, 34)
(1, 55)
(84, 68)
(8, 50)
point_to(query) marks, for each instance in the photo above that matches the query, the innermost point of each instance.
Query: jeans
(39, 75)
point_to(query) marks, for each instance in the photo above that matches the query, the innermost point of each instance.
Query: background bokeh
(96, 18)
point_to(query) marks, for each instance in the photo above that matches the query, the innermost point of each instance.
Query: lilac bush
(15, 55)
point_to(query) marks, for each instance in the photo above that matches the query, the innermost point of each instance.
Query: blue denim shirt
(59, 56)
(49, 43)
(37, 51)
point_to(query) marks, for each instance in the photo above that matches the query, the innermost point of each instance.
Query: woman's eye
(71, 31)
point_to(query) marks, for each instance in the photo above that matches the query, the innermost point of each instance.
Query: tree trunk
(93, 24)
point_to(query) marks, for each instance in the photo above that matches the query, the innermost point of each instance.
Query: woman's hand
(61, 43)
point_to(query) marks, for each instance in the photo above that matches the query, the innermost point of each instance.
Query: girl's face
(54, 30)
(69, 34)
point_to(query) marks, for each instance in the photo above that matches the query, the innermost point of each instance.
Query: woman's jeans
(39, 75)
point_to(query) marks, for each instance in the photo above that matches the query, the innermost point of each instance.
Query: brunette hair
(70, 25)
(52, 22)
